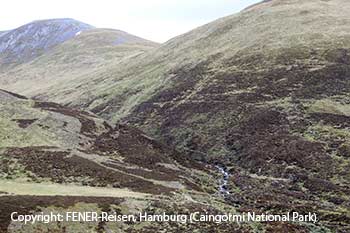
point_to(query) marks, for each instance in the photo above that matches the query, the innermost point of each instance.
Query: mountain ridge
(40, 36)
(74, 59)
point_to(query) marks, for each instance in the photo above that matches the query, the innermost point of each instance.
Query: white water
(224, 181)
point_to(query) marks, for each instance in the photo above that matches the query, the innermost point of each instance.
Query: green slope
(74, 59)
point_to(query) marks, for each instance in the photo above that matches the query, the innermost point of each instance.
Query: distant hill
(33, 39)
(75, 59)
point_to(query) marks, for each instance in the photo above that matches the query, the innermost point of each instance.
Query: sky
(157, 20)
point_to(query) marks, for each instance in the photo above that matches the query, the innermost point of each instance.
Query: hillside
(54, 157)
(57, 159)
(75, 59)
(264, 92)
(31, 40)
(45, 140)
(256, 57)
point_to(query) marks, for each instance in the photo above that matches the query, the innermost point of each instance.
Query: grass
(324, 132)
(46, 129)
(11, 135)
(50, 189)
(330, 106)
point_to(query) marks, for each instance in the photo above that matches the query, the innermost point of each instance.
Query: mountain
(261, 55)
(33, 39)
(264, 93)
(75, 59)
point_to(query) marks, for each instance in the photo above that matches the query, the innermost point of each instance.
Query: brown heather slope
(55, 158)
(46, 142)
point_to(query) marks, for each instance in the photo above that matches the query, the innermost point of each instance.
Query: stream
(223, 190)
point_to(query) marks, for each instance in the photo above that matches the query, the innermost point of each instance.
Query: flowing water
(223, 182)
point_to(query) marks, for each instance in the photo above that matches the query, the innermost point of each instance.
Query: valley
(249, 113)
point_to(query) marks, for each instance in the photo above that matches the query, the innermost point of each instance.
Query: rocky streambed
(223, 181)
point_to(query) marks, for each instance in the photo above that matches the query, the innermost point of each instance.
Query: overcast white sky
(157, 20)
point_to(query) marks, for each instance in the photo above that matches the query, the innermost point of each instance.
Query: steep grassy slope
(33, 39)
